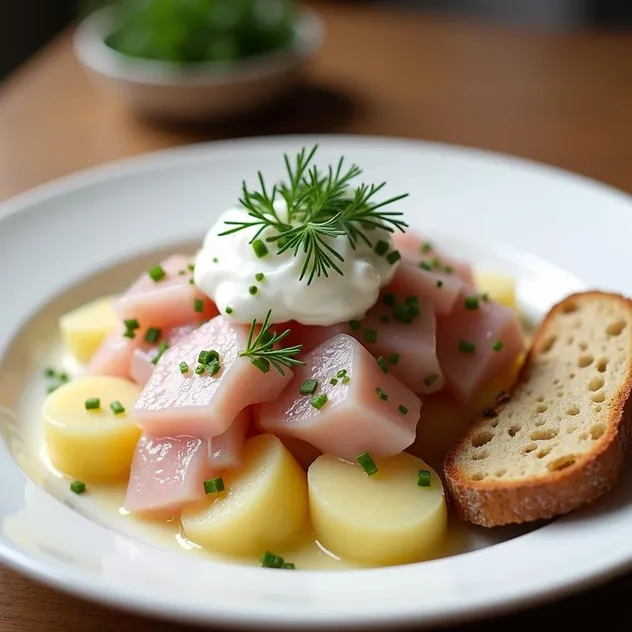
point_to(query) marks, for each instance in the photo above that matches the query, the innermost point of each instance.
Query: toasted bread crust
(497, 502)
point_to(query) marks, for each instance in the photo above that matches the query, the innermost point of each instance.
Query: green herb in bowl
(189, 31)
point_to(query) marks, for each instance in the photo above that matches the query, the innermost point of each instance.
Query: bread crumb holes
(615, 328)
(530, 447)
(595, 383)
(479, 456)
(544, 434)
(597, 431)
(514, 430)
(585, 360)
(562, 463)
(598, 397)
(482, 438)
(478, 476)
(548, 343)
(572, 410)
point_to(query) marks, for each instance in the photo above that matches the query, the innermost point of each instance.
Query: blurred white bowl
(195, 91)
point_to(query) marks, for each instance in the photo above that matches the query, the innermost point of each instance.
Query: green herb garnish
(381, 247)
(260, 276)
(393, 257)
(471, 302)
(402, 409)
(152, 335)
(270, 560)
(498, 345)
(308, 387)
(252, 290)
(229, 309)
(369, 335)
(260, 348)
(184, 367)
(424, 478)
(157, 273)
(318, 401)
(198, 305)
(355, 325)
(393, 358)
(431, 379)
(381, 394)
(161, 349)
(366, 462)
(261, 250)
(321, 208)
(77, 487)
(467, 347)
(382, 364)
(214, 485)
(117, 407)
(94, 403)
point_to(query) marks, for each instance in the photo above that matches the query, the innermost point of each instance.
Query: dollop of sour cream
(245, 286)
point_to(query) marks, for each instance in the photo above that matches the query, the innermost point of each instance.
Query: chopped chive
(229, 309)
(319, 401)
(439, 283)
(129, 333)
(261, 250)
(205, 356)
(467, 347)
(198, 305)
(385, 319)
(94, 403)
(260, 276)
(184, 367)
(435, 263)
(426, 247)
(213, 368)
(131, 323)
(393, 257)
(381, 247)
(263, 364)
(389, 299)
(431, 379)
(214, 485)
(400, 313)
(382, 364)
(191, 281)
(341, 373)
(448, 269)
(289, 566)
(252, 290)
(366, 462)
(191, 267)
(161, 349)
(152, 335)
(157, 273)
(77, 487)
(393, 358)
(308, 387)
(424, 265)
(498, 345)
(370, 335)
(117, 407)
(423, 478)
(413, 306)
(402, 409)
(50, 372)
(354, 324)
(381, 394)
(485, 297)
(199, 369)
(215, 260)
(63, 377)
(346, 379)
(471, 302)
(270, 560)
(182, 272)
(333, 381)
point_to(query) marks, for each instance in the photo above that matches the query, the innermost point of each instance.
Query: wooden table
(562, 99)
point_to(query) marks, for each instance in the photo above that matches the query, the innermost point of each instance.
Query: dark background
(25, 25)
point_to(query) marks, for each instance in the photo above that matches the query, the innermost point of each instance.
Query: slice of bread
(559, 440)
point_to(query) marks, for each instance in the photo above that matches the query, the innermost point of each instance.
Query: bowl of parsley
(195, 60)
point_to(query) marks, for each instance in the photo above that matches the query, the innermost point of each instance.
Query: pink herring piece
(167, 473)
(225, 452)
(354, 419)
(415, 249)
(114, 355)
(167, 302)
(491, 323)
(142, 360)
(173, 404)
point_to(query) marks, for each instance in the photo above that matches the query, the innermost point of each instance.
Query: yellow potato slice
(381, 519)
(91, 445)
(84, 328)
(500, 288)
(263, 506)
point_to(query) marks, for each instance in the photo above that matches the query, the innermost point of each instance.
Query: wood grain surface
(564, 99)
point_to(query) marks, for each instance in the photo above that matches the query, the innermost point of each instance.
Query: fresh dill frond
(260, 348)
(322, 206)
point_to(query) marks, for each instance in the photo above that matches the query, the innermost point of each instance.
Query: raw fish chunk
(225, 452)
(142, 361)
(439, 287)
(114, 355)
(359, 414)
(477, 345)
(406, 343)
(168, 302)
(415, 248)
(175, 403)
(167, 473)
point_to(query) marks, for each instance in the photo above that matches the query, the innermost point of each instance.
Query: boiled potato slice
(263, 506)
(500, 288)
(84, 328)
(91, 445)
(381, 519)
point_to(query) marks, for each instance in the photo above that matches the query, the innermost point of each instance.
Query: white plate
(555, 231)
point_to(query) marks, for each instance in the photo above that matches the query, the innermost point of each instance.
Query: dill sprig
(322, 206)
(260, 348)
